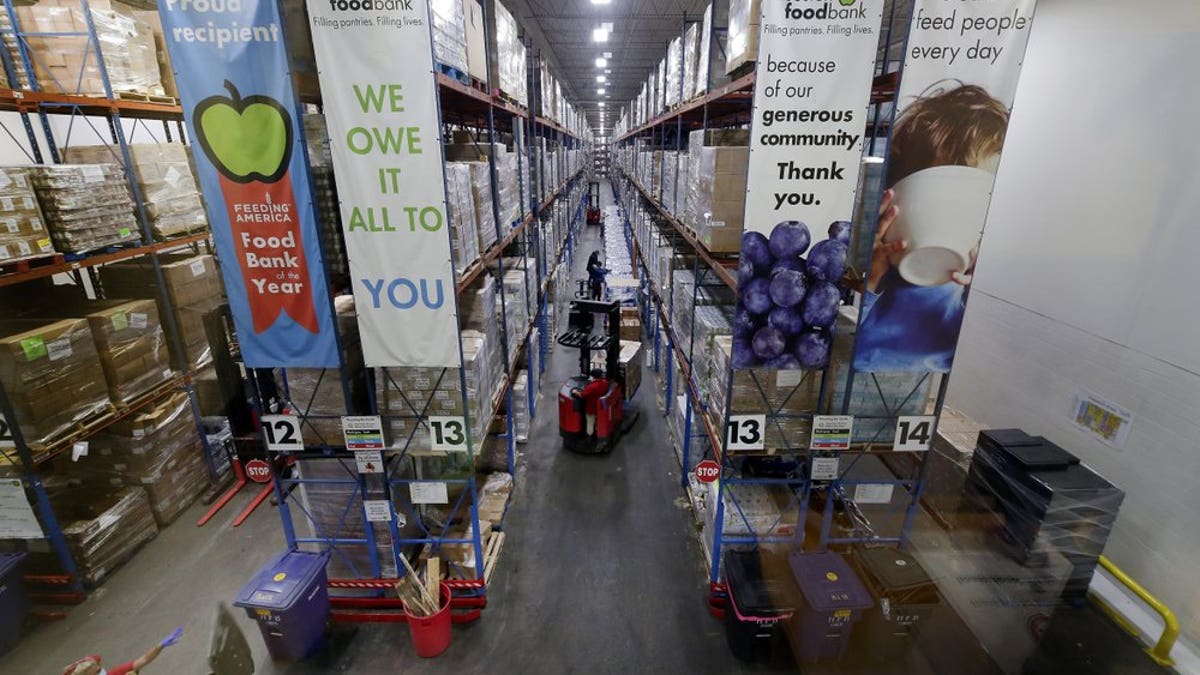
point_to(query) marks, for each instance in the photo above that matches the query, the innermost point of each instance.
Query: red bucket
(431, 634)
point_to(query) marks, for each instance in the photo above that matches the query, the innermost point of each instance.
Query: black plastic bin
(904, 597)
(758, 602)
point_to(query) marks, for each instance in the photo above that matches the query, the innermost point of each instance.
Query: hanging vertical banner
(377, 83)
(816, 62)
(956, 92)
(232, 74)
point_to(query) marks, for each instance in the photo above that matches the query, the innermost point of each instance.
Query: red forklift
(594, 326)
(593, 209)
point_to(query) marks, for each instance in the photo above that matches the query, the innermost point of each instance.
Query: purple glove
(171, 639)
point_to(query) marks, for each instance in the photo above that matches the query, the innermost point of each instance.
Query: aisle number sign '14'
(385, 137)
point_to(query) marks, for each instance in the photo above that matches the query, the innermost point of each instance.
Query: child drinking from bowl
(906, 327)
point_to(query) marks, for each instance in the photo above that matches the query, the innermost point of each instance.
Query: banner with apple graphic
(381, 107)
(233, 78)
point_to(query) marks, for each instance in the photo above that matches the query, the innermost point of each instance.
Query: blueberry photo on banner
(956, 92)
(816, 65)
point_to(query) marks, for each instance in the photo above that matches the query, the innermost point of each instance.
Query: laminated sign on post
(232, 73)
(816, 62)
(956, 92)
(381, 106)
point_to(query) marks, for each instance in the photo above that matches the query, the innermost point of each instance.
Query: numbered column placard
(914, 433)
(282, 433)
(448, 433)
(746, 432)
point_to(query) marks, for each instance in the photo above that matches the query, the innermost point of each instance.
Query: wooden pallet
(479, 85)
(139, 97)
(743, 69)
(501, 94)
(491, 555)
(22, 265)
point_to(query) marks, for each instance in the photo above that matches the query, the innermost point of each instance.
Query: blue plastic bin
(14, 599)
(290, 601)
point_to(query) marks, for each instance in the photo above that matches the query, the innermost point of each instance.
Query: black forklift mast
(581, 324)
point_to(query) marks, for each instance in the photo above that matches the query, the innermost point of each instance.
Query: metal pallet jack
(613, 417)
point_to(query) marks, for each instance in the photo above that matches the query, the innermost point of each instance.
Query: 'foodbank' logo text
(794, 10)
(370, 5)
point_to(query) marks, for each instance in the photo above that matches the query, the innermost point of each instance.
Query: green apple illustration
(847, 3)
(246, 138)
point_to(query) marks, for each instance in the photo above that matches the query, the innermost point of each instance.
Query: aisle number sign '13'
(240, 107)
(375, 62)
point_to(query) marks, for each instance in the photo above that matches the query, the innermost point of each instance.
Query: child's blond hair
(957, 125)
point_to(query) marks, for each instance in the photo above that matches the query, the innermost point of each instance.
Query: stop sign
(708, 471)
(258, 471)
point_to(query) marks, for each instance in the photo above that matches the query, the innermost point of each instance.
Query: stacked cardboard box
(9, 36)
(476, 40)
(316, 394)
(102, 527)
(86, 206)
(333, 508)
(67, 64)
(744, 18)
(22, 233)
(158, 450)
(449, 33)
(165, 180)
(481, 194)
(717, 187)
(51, 375)
(508, 62)
(129, 340)
(324, 187)
(464, 229)
(194, 287)
(520, 394)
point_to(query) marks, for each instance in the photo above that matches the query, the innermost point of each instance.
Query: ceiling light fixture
(600, 79)
(601, 2)
(607, 55)
(599, 35)
(600, 90)
(601, 62)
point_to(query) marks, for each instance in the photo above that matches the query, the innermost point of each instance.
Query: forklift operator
(596, 273)
(591, 395)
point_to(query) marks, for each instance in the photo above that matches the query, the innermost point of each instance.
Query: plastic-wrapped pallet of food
(333, 507)
(464, 237)
(195, 289)
(744, 17)
(165, 180)
(449, 34)
(481, 196)
(86, 206)
(22, 232)
(674, 73)
(51, 375)
(509, 61)
(102, 527)
(66, 64)
(317, 394)
(157, 449)
(716, 200)
(324, 187)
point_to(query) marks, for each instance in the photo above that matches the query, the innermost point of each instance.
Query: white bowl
(942, 212)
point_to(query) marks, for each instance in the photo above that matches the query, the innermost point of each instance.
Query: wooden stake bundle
(415, 593)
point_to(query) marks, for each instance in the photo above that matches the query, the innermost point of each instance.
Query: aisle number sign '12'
(381, 107)
(282, 433)
(240, 107)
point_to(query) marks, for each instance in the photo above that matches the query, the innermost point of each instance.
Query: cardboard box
(476, 40)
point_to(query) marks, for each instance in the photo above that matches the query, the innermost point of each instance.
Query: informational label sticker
(17, 520)
(59, 349)
(363, 432)
(746, 432)
(91, 173)
(197, 267)
(369, 461)
(138, 320)
(824, 468)
(79, 450)
(428, 492)
(1109, 422)
(832, 432)
(786, 379)
(23, 247)
(377, 510)
(448, 433)
(34, 348)
(282, 433)
(873, 493)
(11, 225)
(120, 321)
(914, 433)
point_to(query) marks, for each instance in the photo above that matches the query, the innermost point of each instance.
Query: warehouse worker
(90, 665)
(596, 274)
(591, 395)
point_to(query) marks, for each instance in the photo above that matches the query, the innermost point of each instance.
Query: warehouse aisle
(601, 570)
